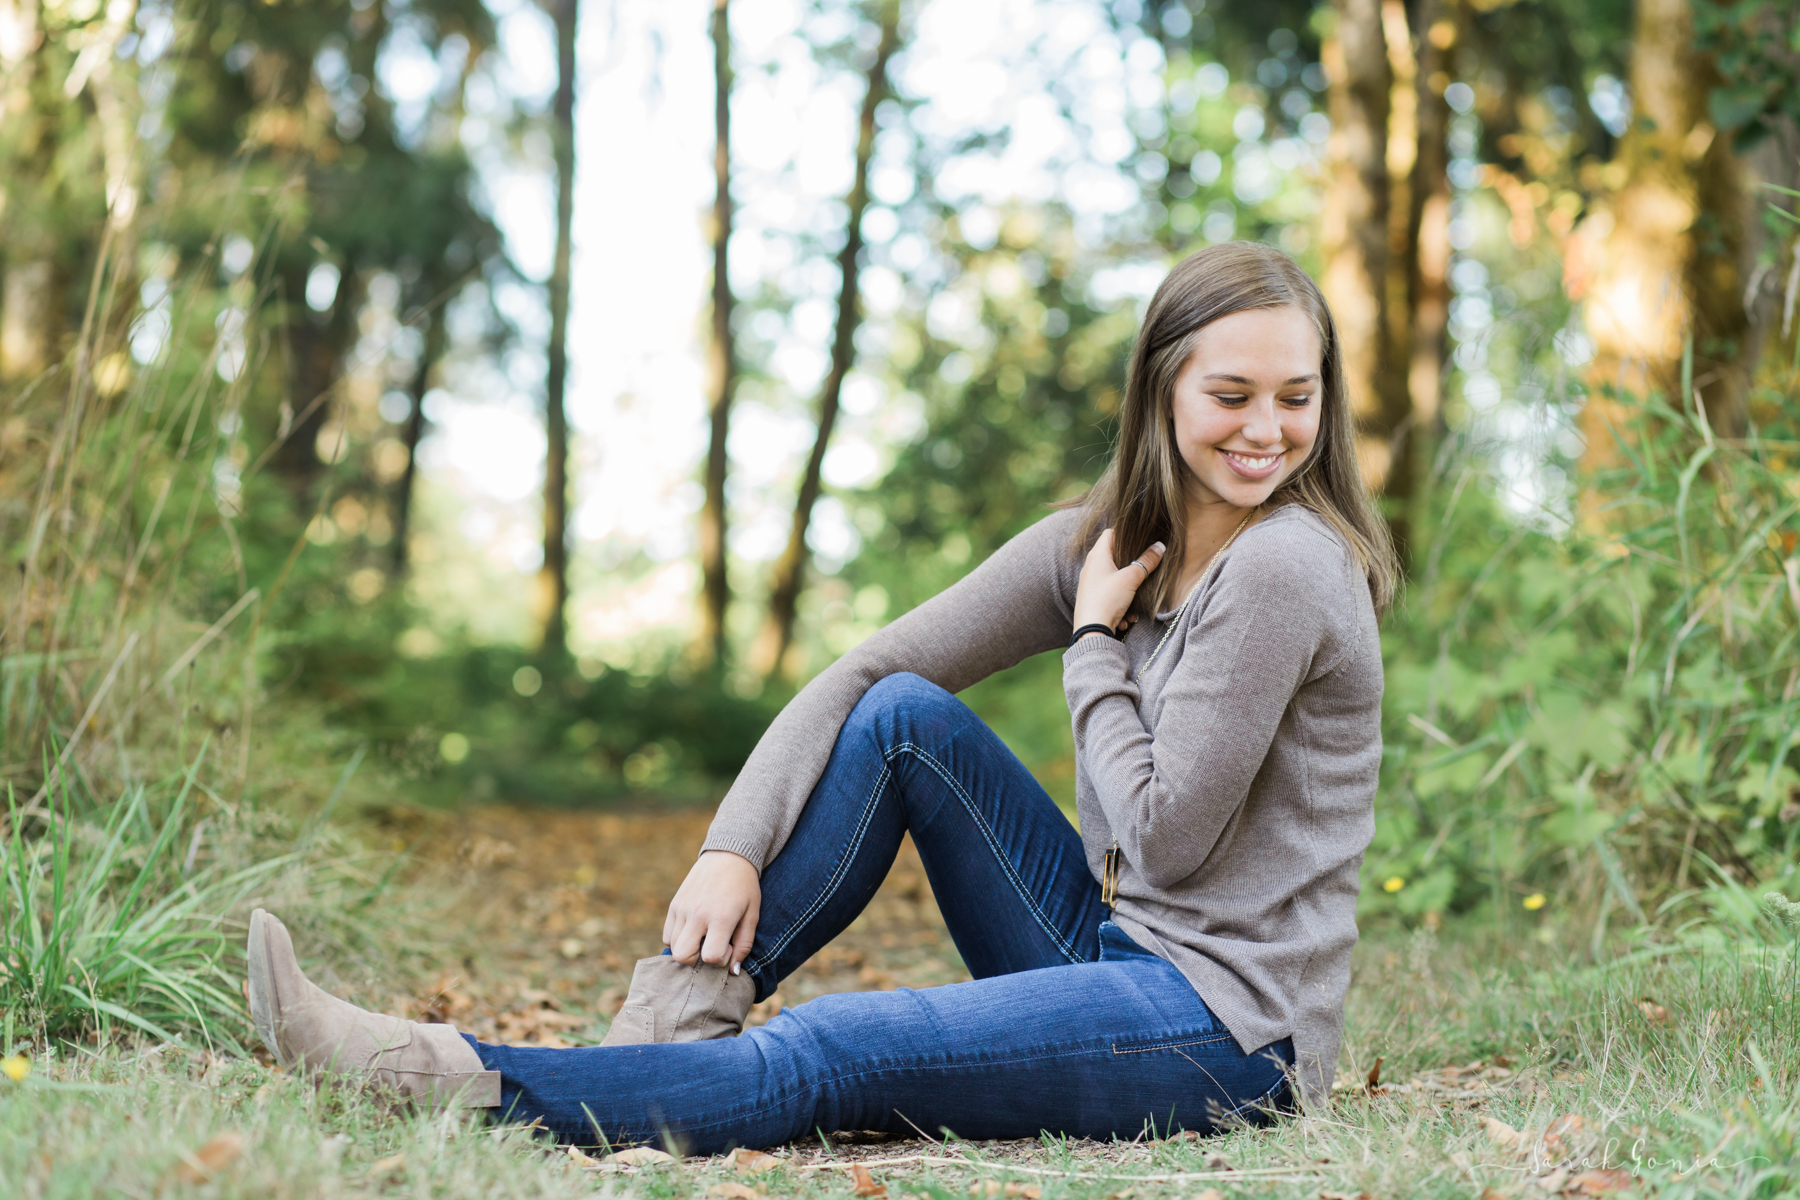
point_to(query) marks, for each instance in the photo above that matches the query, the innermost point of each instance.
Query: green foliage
(1754, 44)
(1602, 715)
(499, 722)
(102, 927)
(153, 572)
(1011, 423)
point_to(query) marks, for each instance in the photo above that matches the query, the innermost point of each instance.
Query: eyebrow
(1251, 382)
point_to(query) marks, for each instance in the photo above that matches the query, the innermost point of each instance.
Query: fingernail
(1158, 547)
(734, 969)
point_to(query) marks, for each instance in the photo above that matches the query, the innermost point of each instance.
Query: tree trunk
(790, 569)
(1426, 240)
(33, 295)
(318, 347)
(1767, 257)
(721, 360)
(1658, 264)
(554, 578)
(1354, 229)
(30, 303)
(1402, 160)
(435, 339)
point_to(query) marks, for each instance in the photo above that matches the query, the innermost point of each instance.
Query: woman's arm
(1016, 604)
(1168, 791)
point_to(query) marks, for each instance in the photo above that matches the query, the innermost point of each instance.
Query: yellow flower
(1393, 884)
(1535, 901)
(16, 1067)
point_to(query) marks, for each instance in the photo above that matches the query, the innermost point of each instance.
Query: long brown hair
(1141, 494)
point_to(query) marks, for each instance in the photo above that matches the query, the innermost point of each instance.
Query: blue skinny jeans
(1068, 1025)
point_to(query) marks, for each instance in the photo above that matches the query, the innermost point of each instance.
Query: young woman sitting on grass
(1180, 962)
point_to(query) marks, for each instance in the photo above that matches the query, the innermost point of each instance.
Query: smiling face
(1247, 405)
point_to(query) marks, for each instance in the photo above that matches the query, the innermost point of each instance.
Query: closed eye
(1229, 398)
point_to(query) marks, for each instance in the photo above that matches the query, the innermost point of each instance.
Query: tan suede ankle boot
(305, 1026)
(672, 1002)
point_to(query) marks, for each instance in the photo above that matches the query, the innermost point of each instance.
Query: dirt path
(559, 905)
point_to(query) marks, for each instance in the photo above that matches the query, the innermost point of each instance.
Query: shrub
(1603, 713)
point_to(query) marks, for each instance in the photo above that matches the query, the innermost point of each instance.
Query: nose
(1262, 423)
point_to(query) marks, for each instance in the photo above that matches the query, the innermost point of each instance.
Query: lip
(1244, 471)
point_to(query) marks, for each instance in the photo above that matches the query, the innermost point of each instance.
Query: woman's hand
(1105, 592)
(713, 916)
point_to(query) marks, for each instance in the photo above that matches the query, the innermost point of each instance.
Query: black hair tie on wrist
(1087, 629)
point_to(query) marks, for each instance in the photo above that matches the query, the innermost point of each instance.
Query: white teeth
(1255, 464)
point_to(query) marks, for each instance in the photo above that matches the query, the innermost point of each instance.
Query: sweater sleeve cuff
(737, 844)
(1095, 644)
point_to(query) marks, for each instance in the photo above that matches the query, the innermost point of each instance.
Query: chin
(1240, 494)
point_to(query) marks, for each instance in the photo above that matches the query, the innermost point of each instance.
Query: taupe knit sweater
(1237, 774)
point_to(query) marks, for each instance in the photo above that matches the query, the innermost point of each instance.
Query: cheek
(1302, 428)
(1181, 416)
(1197, 424)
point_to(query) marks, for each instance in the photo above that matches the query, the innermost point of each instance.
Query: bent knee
(903, 700)
(904, 689)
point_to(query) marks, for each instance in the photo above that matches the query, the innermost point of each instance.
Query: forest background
(410, 405)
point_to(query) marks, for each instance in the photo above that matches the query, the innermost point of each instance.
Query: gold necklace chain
(1176, 619)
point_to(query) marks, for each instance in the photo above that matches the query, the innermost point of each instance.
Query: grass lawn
(1667, 1068)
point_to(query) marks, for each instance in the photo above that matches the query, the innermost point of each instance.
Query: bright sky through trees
(644, 129)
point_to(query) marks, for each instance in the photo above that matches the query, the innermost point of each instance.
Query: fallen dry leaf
(1653, 1012)
(735, 1191)
(1559, 1135)
(1186, 1135)
(393, 1163)
(643, 1156)
(1345, 1196)
(1211, 1194)
(1600, 1182)
(863, 1184)
(752, 1162)
(1502, 1134)
(1218, 1162)
(582, 1160)
(1013, 1191)
(1374, 1077)
(210, 1159)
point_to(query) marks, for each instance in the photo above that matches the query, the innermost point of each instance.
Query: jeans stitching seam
(1150, 1047)
(838, 874)
(993, 842)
